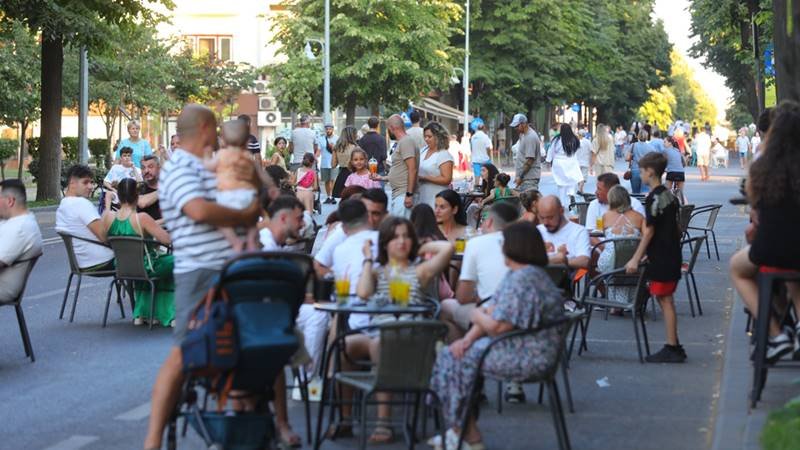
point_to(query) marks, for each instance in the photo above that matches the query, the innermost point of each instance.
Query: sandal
(290, 440)
(343, 430)
(382, 434)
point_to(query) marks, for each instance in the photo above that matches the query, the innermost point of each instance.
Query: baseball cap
(518, 119)
(328, 125)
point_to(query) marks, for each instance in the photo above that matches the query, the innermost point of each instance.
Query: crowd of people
(208, 197)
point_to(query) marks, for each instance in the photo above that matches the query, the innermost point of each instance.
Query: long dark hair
(425, 225)
(452, 197)
(488, 186)
(386, 233)
(774, 175)
(569, 142)
(523, 244)
(127, 192)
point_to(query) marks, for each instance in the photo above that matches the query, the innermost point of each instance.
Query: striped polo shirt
(195, 245)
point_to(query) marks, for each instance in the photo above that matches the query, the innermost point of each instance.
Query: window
(218, 47)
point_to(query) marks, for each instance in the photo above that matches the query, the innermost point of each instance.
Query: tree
(787, 51)
(658, 108)
(382, 53)
(84, 23)
(19, 80)
(691, 101)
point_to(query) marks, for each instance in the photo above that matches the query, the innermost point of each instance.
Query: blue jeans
(636, 181)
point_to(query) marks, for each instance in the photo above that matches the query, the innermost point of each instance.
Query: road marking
(73, 443)
(61, 291)
(138, 413)
(53, 240)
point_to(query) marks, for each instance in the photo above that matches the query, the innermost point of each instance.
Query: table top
(372, 308)
(471, 194)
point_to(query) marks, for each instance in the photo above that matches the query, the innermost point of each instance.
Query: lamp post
(466, 74)
(326, 63)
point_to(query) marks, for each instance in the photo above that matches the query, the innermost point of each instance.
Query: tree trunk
(350, 110)
(23, 147)
(49, 181)
(787, 49)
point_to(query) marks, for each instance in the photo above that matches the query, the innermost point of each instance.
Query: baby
(232, 191)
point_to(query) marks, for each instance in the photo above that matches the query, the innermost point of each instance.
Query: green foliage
(692, 104)
(8, 148)
(33, 147)
(738, 116)
(782, 430)
(658, 108)
(20, 84)
(69, 145)
(98, 148)
(382, 52)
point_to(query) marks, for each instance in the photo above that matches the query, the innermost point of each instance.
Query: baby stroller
(263, 295)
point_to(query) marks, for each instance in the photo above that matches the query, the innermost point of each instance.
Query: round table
(371, 308)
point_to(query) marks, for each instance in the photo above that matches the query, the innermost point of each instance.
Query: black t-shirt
(777, 240)
(153, 210)
(375, 146)
(664, 251)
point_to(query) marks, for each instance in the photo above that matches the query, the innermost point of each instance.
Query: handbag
(211, 346)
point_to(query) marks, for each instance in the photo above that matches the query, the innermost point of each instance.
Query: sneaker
(668, 354)
(514, 393)
(138, 321)
(777, 347)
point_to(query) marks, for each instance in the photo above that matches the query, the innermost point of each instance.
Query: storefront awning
(437, 108)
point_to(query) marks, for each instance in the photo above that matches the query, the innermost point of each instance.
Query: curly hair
(774, 175)
(440, 134)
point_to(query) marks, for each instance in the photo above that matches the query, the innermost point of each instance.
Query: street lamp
(326, 63)
(466, 73)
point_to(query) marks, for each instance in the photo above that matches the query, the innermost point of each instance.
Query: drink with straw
(373, 166)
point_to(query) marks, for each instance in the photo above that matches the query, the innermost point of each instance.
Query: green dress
(157, 265)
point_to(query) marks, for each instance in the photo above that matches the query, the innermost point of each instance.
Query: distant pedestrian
(566, 168)
(480, 149)
(742, 146)
(341, 158)
(703, 142)
(638, 149)
(675, 172)
(415, 130)
(620, 139)
(584, 156)
(603, 150)
(500, 149)
(374, 144)
(327, 173)
(527, 167)
(253, 146)
(304, 140)
(139, 146)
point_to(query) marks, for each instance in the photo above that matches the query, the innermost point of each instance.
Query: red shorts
(662, 288)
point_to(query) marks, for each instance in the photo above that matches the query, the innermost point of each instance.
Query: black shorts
(676, 176)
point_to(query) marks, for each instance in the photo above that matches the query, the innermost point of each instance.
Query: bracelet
(367, 260)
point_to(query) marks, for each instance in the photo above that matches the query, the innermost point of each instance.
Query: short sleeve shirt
(21, 239)
(664, 251)
(398, 172)
(140, 148)
(529, 147)
(574, 236)
(118, 172)
(480, 146)
(73, 216)
(303, 140)
(484, 263)
(153, 210)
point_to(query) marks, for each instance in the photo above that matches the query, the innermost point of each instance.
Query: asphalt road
(89, 387)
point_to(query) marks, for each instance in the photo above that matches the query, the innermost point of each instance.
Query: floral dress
(606, 261)
(525, 297)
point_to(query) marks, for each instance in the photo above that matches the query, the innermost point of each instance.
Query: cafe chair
(75, 270)
(17, 304)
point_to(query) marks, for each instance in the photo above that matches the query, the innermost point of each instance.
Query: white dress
(566, 171)
(430, 167)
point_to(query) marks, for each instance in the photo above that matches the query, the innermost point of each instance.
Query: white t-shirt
(348, 261)
(73, 216)
(484, 263)
(332, 240)
(574, 236)
(597, 209)
(703, 141)
(268, 243)
(755, 142)
(584, 153)
(431, 167)
(480, 146)
(118, 172)
(21, 239)
(303, 140)
(620, 137)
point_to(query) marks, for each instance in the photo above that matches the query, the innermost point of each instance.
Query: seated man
(148, 193)
(77, 215)
(599, 205)
(21, 238)
(566, 242)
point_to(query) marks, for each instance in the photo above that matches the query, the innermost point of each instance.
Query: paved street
(89, 387)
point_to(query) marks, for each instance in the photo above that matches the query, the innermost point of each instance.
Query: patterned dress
(524, 296)
(606, 262)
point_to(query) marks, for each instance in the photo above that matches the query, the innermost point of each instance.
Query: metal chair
(75, 270)
(687, 269)
(636, 307)
(17, 304)
(409, 348)
(547, 378)
(684, 217)
(624, 249)
(713, 212)
(129, 254)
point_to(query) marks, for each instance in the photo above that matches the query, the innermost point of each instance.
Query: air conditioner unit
(267, 104)
(269, 118)
(260, 86)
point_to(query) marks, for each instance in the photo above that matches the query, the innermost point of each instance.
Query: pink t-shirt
(361, 180)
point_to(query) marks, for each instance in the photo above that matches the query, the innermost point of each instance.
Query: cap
(328, 125)
(518, 119)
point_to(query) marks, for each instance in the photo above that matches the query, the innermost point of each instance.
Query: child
(359, 172)
(232, 191)
(501, 189)
(307, 182)
(661, 242)
(118, 172)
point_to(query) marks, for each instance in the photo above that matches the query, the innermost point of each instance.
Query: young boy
(118, 172)
(661, 243)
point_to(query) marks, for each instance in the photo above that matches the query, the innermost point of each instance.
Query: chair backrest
(684, 217)
(696, 244)
(408, 351)
(582, 208)
(624, 249)
(30, 263)
(69, 247)
(129, 257)
(560, 275)
(713, 212)
(303, 261)
(642, 294)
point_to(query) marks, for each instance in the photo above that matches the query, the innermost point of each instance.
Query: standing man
(304, 140)
(526, 162)
(480, 149)
(703, 142)
(21, 238)
(148, 193)
(326, 155)
(187, 195)
(620, 139)
(415, 131)
(252, 142)
(374, 144)
(403, 172)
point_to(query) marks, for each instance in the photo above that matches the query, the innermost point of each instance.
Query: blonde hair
(643, 135)
(352, 153)
(604, 140)
(134, 123)
(618, 199)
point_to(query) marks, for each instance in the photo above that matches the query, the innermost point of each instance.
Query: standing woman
(566, 169)
(341, 158)
(435, 163)
(675, 171)
(140, 146)
(603, 151)
(450, 215)
(638, 149)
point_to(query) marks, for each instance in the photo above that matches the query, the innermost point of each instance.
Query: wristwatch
(409, 194)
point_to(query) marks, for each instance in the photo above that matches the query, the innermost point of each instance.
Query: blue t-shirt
(640, 149)
(657, 144)
(674, 160)
(140, 149)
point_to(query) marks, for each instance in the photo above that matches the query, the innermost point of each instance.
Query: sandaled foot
(343, 430)
(289, 438)
(382, 434)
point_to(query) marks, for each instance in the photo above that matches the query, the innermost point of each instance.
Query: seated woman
(526, 297)
(620, 221)
(450, 215)
(528, 200)
(127, 222)
(424, 220)
(488, 173)
(397, 257)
